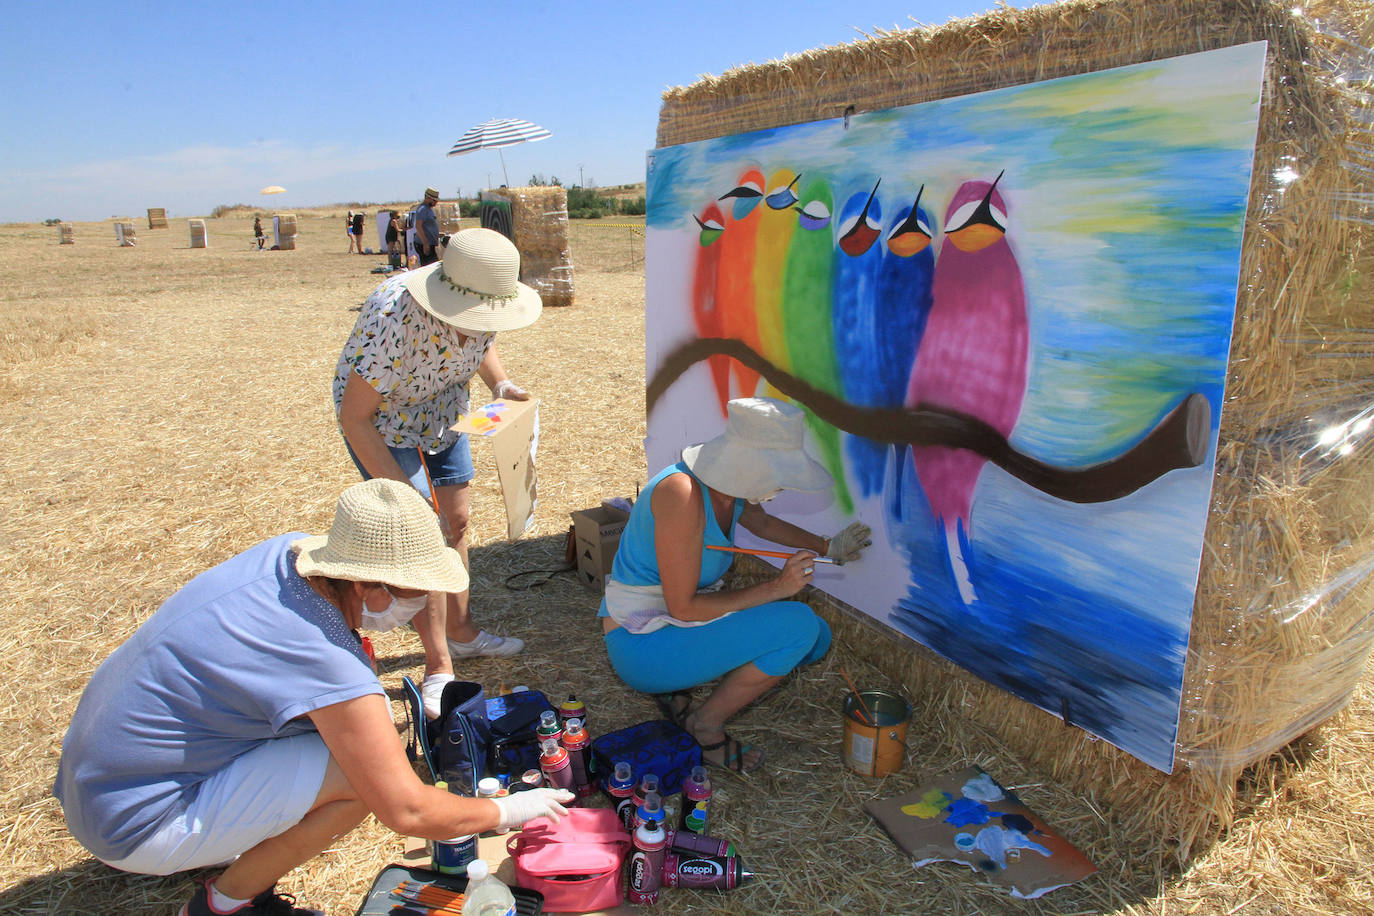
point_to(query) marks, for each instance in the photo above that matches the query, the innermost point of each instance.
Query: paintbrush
(780, 554)
(872, 719)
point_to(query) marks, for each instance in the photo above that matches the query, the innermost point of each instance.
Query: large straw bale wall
(539, 220)
(125, 236)
(65, 235)
(197, 227)
(157, 218)
(447, 216)
(284, 230)
(1282, 623)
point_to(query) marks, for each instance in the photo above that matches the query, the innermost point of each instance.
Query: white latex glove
(519, 807)
(509, 390)
(849, 543)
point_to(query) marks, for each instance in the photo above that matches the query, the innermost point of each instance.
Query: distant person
(257, 231)
(243, 722)
(352, 238)
(358, 230)
(400, 385)
(427, 229)
(394, 228)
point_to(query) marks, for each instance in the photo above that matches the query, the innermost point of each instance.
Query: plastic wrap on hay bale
(124, 233)
(65, 235)
(284, 231)
(539, 222)
(447, 215)
(157, 218)
(1284, 613)
(198, 239)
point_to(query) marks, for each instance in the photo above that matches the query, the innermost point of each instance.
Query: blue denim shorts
(448, 468)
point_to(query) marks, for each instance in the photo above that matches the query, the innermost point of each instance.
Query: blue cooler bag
(657, 747)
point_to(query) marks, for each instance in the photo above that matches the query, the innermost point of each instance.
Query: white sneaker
(486, 644)
(432, 689)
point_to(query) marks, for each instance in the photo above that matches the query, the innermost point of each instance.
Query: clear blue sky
(110, 108)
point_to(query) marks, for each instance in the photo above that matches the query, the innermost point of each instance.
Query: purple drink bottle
(555, 766)
(575, 743)
(683, 841)
(696, 801)
(685, 869)
(621, 789)
(644, 868)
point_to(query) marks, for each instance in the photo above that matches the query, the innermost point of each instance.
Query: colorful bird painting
(735, 272)
(972, 356)
(777, 223)
(705, 312)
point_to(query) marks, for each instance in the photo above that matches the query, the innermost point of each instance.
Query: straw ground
(164, 408)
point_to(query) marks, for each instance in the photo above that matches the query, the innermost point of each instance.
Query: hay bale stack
(198, 239)
(65, 235)
(447, 215)
(157, 218)
(539, 223)
(284, 231)
(124, 233)
(1281, 625)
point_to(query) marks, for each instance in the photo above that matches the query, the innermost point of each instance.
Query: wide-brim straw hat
(761, 451)
(475, 286)
(384, 531)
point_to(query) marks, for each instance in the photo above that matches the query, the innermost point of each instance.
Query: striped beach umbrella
(496, 134)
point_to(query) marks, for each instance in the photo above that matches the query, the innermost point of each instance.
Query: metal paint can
(451, 857)
(875, 748)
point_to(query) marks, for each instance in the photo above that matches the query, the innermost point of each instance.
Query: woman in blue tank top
(670, 627)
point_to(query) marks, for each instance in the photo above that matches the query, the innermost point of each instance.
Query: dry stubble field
(165, 408)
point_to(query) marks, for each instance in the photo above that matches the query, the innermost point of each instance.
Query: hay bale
(157, 218)
(1282, 624)
(124, 233)
(539, 227)
(65, 235)
(198, 239)
(447, 215)
(284, 231)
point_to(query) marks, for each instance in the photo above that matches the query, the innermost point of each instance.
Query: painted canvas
(968, 818)
(1007, 316)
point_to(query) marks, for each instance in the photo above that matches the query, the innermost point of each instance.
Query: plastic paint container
(875, 748)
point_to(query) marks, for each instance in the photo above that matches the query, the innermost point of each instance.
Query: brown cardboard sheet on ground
(968, 817)
(512, 427)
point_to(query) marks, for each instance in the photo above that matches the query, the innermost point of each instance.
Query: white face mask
(398, 612)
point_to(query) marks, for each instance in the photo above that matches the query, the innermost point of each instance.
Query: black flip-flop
(732, 758)
(666, 703)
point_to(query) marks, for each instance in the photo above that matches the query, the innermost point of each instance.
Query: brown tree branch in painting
(1177, 441)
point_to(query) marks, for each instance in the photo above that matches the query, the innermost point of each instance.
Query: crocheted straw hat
(475, 286)
(384, 531)
(759, 452)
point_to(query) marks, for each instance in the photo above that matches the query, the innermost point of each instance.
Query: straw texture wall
(65, 235)
(157, 218)
(198, 239)
(1282, 623)
(539, 220)
(284, 228)
(124, 233)
(447, 215)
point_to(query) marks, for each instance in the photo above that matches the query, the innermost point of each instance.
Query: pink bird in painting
(972, 357)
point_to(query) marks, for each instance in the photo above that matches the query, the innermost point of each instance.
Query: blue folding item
(513, 721)
(454, 746)
(657, 747)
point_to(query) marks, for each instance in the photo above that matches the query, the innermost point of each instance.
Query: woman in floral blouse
(402, 383)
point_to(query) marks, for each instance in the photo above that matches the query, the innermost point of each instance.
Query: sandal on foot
(674, 706)
(732, 755)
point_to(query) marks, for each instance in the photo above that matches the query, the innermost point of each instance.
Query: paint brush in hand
(778, 554)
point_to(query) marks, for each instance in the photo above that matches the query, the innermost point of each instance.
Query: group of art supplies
(664, 842)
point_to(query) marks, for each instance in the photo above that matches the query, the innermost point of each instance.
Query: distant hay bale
(198, 239)
(1282, 622)
(284, 231)
(65, 235)
(124, 233)
(539, 222)
(157, 218)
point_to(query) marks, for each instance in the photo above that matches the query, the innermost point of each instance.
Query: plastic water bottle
(575, 743)
(621, 789)
(696, 801)
(645, 866)
(485, 894)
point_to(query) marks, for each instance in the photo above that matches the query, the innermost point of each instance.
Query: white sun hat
(384, 531)
(476, 286)
(760, 452)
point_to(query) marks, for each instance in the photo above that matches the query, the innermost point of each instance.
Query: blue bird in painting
(853, 306)
(972, 357)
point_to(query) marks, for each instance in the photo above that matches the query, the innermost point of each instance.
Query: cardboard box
(596, 532)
